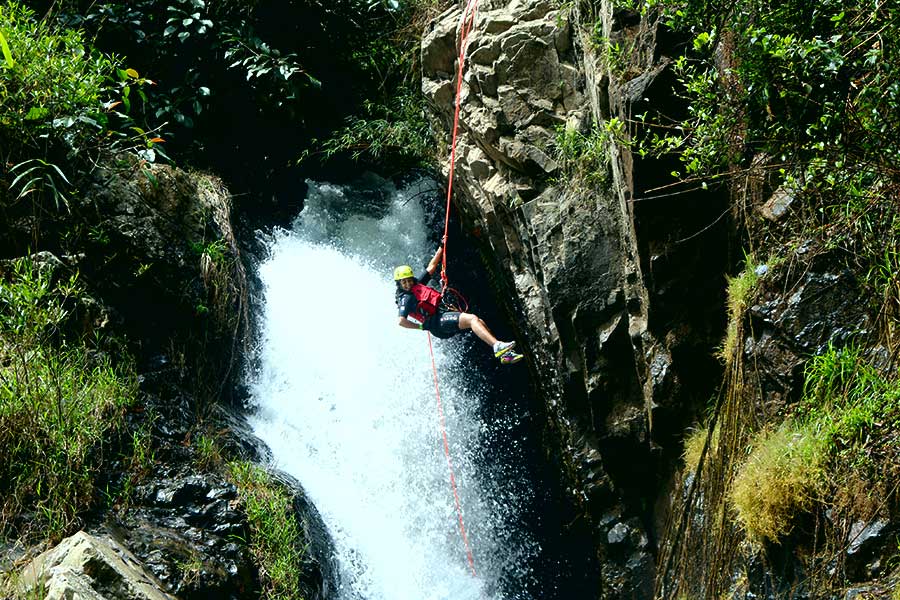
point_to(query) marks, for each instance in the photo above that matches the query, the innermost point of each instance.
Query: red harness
(429, 299)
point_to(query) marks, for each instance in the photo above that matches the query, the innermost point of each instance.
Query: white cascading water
(346, 402)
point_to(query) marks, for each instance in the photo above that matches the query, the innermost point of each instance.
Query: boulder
(865, 542)
(162, 254)
(88, 567)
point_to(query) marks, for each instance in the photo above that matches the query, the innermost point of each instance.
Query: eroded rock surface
(570, 262)
(89, 567)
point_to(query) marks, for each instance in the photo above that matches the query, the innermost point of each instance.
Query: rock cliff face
(578, 266)
(617, 284)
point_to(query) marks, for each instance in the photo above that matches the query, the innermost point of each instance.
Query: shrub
(845, 400)
(805, 97)
(54, 86)
(57, 108)
(391, 124)
(60, 403)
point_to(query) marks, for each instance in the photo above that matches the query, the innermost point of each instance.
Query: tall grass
(583, 158)
(275, 534)
(790, 469)
(60, 401)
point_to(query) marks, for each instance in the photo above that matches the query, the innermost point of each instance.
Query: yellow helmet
(402, 272)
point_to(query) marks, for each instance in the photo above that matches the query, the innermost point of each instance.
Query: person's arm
(407, 324)
(406, 303)
(433, 265)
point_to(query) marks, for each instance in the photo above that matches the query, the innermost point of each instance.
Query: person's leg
(478, 327)
(502, 350)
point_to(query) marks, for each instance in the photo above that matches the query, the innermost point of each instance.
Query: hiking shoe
(510, 358)
(501, 348)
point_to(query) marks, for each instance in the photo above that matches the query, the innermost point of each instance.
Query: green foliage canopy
(50, 85)
(57, 111)
(817, 86)
(245, 87)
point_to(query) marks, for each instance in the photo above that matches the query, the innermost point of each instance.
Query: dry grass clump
(782, 477)
(693, 446)
(740, 292)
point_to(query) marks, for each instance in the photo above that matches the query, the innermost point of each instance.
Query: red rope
(466, 22)
(462, 526)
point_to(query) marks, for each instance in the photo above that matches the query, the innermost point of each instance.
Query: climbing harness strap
(465, 26)
(453, 300)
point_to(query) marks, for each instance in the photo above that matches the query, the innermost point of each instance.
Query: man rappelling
(420, 307)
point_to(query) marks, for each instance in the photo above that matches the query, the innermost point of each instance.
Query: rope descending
(467, 20)
(465, 27)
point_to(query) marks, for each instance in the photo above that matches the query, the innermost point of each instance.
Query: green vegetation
(208, 454)
(741, 290)
(814, 86)
(583, 158)
(617, 54)
(50, 84)
(293, 70)
(807, 98)
(58, 112)
(847, 398)
(391, 126)
(694, 443)
(67, 94)
(61, 402)
(797, 99)
(275, 534)
(829, 439)
(781, 478)
(394, 131)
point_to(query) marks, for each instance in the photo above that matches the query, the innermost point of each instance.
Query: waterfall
(346, 402)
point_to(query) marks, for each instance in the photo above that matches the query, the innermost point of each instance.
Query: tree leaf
(6, 53)
(36, 113)
(58, 170)
(28, 188)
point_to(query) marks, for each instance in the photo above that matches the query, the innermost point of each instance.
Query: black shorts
(444, 325)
